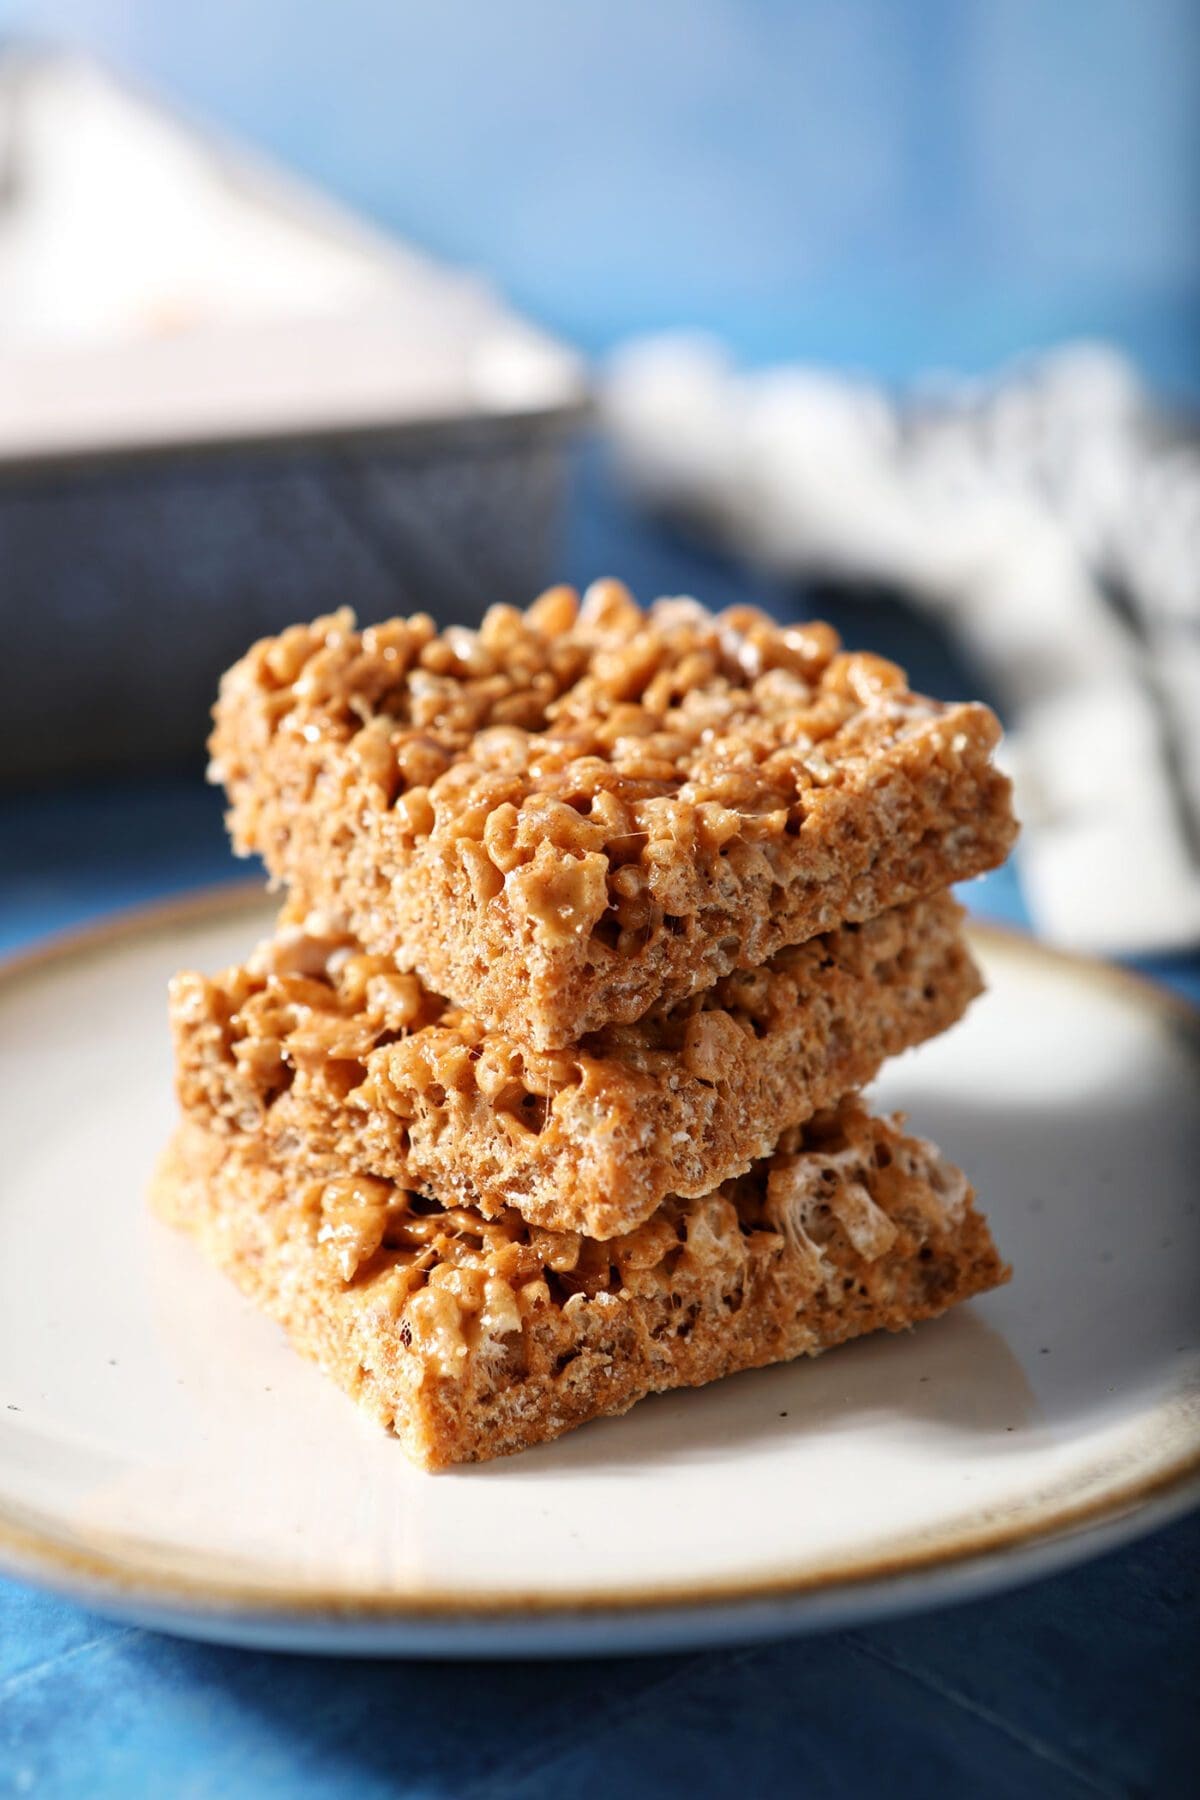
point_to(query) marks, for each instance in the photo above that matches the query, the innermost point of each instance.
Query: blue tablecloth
(1083, 1684)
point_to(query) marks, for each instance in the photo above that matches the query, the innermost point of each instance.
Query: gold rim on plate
(31, 1548)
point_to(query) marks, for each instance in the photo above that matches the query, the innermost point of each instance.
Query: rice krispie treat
(472, 1339)
(575, 814)
(329, 1057)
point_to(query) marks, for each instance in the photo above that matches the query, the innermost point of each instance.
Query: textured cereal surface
(327, 1056)
(581, 812)
(473, 1338)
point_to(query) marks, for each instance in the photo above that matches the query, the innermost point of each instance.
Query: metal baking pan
(194, 451)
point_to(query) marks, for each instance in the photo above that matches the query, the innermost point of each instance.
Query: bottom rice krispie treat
(472, 1338)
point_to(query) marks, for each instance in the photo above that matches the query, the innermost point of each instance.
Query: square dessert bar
(473, 1338)
(329, 1057)
(578, 813)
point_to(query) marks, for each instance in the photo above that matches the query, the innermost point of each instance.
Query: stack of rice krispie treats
(545, 1094)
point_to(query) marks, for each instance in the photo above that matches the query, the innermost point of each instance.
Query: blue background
(893, 184)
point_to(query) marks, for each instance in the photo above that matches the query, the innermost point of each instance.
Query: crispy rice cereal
(328, 1056)
(474, 1338)
(577, 813)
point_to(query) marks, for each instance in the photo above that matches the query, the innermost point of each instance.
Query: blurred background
(891, 185)
(884, 308)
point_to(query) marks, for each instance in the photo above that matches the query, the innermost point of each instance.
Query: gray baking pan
(225, 405)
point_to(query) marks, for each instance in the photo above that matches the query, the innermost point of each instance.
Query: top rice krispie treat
(579, 812)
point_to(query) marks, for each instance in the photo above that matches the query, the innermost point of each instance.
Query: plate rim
(31, 1551)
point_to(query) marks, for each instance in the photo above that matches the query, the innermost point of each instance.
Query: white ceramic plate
(164, 1457)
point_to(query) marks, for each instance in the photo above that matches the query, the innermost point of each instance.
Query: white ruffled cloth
(1050, 516)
